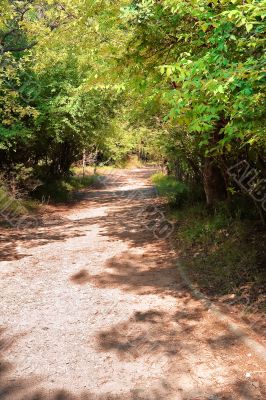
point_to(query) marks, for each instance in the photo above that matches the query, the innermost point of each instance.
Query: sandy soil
(93, 307)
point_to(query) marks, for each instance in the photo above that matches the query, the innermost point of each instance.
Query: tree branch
(21, 48)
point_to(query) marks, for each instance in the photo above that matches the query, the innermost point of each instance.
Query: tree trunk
(83, 162)
(62, 159)
(213, 179)
(214, 183)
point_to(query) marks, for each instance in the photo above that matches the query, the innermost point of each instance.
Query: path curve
(93, 308)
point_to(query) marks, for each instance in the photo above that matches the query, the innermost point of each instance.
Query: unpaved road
(93, 307)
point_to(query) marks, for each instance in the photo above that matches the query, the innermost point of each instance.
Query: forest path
(93, 308)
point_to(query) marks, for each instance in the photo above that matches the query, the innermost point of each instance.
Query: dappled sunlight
(105, 313)
(12, 240)
(153, 337)
(147, 273)
(132, 200)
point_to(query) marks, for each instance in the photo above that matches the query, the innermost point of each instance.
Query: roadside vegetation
(177, 83)
(222, 252)
(63, 190)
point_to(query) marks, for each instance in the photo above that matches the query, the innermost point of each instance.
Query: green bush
(206, 228)
(12, 208)
(8, 204)
(168, 186)
(61, 191)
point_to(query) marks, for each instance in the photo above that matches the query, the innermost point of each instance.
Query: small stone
(256, 384)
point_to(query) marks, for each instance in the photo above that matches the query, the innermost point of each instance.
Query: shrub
(61, 191)
(168, 186)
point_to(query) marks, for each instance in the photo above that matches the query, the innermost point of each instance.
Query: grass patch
(62, 191)
(217, 246)
(222, 256)
(10, 205)
(169, 187)
(223, 252)
(12, 208)
(89, 170)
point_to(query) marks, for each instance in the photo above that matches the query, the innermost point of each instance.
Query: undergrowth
(223, 252)
(63, 190)
(167, 186)
(12, 208)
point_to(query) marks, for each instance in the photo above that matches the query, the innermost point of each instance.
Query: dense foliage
(179, 82)
(201, 65)
(51, 105)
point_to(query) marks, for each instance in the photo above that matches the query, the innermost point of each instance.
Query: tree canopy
(181, 81)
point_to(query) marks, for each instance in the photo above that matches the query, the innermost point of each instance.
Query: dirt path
(93, 307)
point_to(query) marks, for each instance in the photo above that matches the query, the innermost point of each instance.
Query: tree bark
(84, 163)
(213, 181)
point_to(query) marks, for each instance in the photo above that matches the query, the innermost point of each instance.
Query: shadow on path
(55, 226)
(20, 389)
